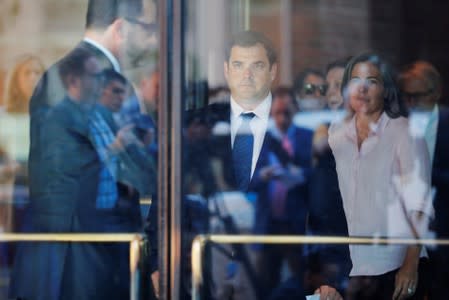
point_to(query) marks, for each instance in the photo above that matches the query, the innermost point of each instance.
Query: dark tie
(242, 152)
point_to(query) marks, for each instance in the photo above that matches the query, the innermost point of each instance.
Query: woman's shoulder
(400, 123)
(339, 127)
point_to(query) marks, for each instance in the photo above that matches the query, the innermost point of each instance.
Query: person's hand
(328, 293)
(125, 135)
(155, 283)
(270, 172)
(406, 281)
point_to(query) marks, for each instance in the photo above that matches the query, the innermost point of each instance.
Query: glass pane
(78, 145)
(320, 140)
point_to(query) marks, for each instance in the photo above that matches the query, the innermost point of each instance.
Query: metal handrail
(134, 239)
(200, 242)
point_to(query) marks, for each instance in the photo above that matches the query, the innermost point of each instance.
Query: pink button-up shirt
(381, 185)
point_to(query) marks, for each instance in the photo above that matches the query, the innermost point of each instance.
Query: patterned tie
(242, 152)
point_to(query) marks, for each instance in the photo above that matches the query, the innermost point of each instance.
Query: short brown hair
(250, 38)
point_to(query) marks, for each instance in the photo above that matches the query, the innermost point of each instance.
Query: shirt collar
(106, 52)
(262, 111)
(375, 129)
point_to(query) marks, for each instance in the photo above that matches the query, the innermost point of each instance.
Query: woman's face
(366, 89)
(333, 94)
(28, 76)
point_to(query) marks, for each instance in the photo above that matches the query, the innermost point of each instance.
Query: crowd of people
(349, 152)
(357, 150)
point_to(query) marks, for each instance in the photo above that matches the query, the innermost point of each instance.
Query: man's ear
(274, 71)
(226, 69)
(118, 29)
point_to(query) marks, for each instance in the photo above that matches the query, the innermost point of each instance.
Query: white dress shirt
(258, 125)
(109, 55)
(381, 185)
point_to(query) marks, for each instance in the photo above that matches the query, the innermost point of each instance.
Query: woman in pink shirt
(384, 179)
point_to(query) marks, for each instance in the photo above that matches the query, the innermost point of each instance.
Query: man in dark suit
(240, 137)
(74, 187)
(421, 87)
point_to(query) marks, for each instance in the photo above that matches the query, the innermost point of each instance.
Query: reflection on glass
(291, 186)
(88, 167)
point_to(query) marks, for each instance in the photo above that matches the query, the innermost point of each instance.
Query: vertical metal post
(170, 146)
(197, 266)
(164, 108)
(134, 257)
(177, 108)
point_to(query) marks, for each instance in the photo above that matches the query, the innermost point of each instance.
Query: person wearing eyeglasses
(421, 88)
(310, 89)
(326, 216)
(75, 185)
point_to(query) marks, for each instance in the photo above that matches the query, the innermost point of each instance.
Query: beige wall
(47, 28)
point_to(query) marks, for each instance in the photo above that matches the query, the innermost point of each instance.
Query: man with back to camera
(67, 190)
(250, 68)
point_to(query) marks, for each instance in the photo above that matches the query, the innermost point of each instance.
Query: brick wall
(325, 30)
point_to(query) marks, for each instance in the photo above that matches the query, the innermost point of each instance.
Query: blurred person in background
(120, 35)
(334, 75)
(326, 215)
(421, 88)
(21, 80)
(145, 100)
(384, 180)
(114, 90)
(288, 183)
(140, 108)
(134, 137)
(310, 90)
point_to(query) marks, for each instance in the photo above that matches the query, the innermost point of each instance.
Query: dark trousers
(439, 266)
(382, 286)
(270, 257)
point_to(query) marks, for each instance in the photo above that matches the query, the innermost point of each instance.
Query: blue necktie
(242, 152)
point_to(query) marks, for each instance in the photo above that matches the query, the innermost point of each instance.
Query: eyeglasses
(96, 76)
(310, 89)
(150, 27)
(117, 91)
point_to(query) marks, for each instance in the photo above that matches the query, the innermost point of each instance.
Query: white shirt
(106, 52)
(258, 125)
(424, 124)
(381, 185)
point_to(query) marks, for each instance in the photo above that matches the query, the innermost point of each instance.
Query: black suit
(64, 169)
(440, 181)
(219, 147)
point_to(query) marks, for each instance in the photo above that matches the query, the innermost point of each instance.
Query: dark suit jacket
(302, 140)
(440, 175)
(64, 173)
(296, 206)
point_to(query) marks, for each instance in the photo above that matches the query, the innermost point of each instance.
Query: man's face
(140, 35)
(113, 95)
(333, 93)
(249, 74)
(418, 93)
(90, 81)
